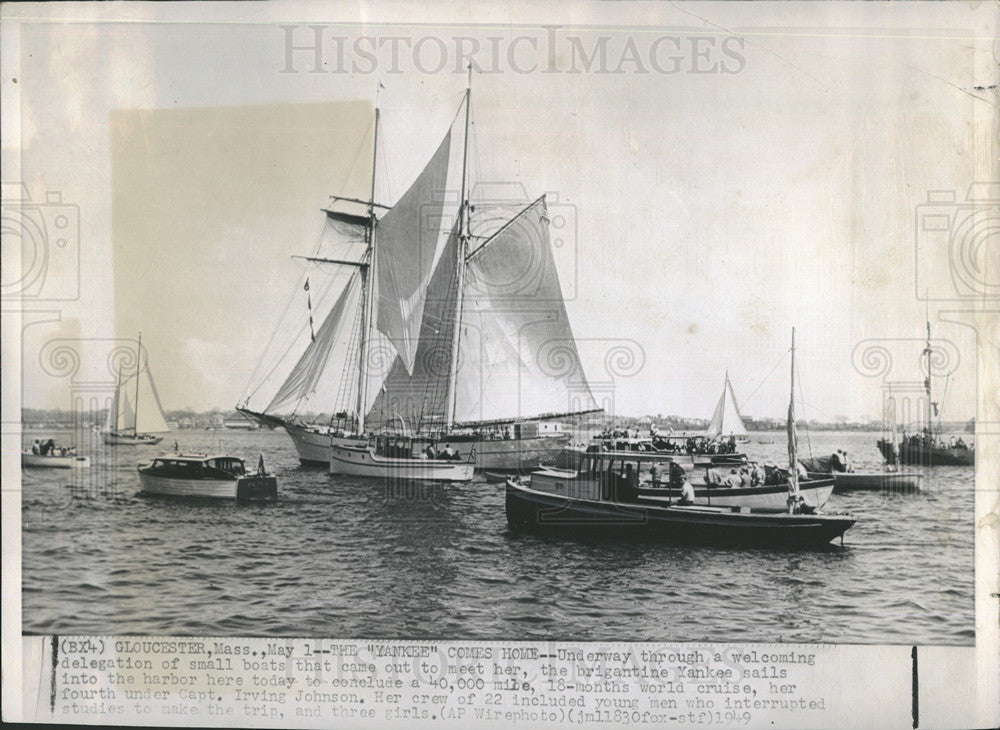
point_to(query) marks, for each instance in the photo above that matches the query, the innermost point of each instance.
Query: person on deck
(429, 452)
(448, 453)
(687, 493)
(36, 447)
(654, 475)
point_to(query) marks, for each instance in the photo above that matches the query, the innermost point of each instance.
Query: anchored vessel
(460, 303)
(53, 461)
(127, 425)
(218, 476)
(926, 448)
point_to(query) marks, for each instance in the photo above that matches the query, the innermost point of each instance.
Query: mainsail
(727, 421)
(517, 356)
(123, 416)
(408, 238)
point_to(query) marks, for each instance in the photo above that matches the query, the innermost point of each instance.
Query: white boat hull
(231, 489)
(364, 462)
(37, 461)
(118, 439)
(314, 448)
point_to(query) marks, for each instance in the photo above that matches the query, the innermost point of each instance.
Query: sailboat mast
(463, 244)
(367, 274)
(118, 394)
(138, 369)
(927, 379)
(793, 465)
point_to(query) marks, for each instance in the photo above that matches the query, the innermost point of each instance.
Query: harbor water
(354, 558)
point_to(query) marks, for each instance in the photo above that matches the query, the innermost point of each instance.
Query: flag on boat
(260, 464)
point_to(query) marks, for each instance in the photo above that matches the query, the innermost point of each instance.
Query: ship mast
(366, 285)
(463, 245)
(793, 466)
(118, 395)
(927, 379)
(138, 369)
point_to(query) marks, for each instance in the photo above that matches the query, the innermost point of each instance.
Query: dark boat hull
(539, 512)
(916, 454)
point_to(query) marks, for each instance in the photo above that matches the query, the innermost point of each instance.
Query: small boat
(53, 461)
(883, 480)
(596, 514)
(386, 458)
(125, 426)
(218, 476)
(928, 447)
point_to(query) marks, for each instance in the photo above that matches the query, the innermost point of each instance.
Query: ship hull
(916, 454)
(499, 454)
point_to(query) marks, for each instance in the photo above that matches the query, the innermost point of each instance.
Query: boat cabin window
(232, 466)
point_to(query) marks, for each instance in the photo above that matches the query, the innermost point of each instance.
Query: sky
(724, 174)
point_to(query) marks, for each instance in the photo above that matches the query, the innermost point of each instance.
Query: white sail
(420, 398)
(309, 371)
(149, 418)
(727, 421)
(408, 239)
(518, 358)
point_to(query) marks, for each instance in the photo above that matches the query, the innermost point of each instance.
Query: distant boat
(726, 419)
(441, 297)
(926, 448)
(127, 425)
(212, 477)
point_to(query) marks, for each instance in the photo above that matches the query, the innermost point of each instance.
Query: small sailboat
(127, 424)
(928, 447)
(726, 419)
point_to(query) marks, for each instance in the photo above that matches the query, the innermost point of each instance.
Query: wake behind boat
(218, 476)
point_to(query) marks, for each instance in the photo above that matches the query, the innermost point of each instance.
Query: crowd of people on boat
(926, 440)
(49, 448)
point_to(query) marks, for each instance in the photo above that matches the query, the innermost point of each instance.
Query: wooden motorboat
(218, 476)
(583, 510)
(846, 480)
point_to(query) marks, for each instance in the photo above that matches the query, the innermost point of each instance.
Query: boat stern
(256, 488)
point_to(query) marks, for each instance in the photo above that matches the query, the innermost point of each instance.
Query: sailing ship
(126, 424)
(481, 348)
(926, 448)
